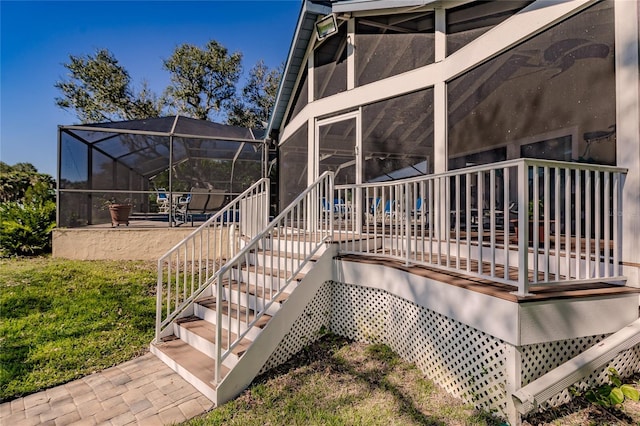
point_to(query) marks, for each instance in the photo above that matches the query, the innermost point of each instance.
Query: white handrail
(483, 221)
(303, 226)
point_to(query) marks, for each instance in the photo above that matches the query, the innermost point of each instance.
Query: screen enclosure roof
(148, 146)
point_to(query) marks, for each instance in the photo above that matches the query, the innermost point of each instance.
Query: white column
(440, 146)
(513, 364)
(312, 153)
(628, 131)
(440, 100)
(311, 125)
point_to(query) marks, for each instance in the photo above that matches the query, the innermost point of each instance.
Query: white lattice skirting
(466, 362)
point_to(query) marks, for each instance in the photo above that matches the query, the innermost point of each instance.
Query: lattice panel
(466, 362)
(541, 358)
(305, 330)
(359, 315)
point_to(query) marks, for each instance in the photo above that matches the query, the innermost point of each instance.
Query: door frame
(314, 170)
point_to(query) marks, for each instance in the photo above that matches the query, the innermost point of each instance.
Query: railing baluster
(467, 219)
(431, 218)
(479, 213)
(492, 220)
(546, 199)
(578, 219)
(567, 222)
(588, 225)
(557, 218)
(536, 222)
(457, 224)
(597, 231)
(617, 223)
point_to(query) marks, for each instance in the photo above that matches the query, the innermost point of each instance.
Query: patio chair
(338, 209)
(389, 210)
(374, 206)
(162, 199)
(201, 202)
(216, 201)
(420, 212)
(180, 210)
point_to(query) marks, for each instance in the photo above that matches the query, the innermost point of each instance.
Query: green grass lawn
(61, 320)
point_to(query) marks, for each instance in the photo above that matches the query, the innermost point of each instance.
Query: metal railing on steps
(300, 230)
(189, 268)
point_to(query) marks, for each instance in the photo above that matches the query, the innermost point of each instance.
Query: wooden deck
(497, 289)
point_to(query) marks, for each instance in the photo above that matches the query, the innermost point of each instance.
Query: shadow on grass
(376, 370)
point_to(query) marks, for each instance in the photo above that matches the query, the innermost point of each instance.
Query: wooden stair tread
(253, 290)
(191, 359)
(232, 311)
(288, 255)
(274, 272)
(207, 331)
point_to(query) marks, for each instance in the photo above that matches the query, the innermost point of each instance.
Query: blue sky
(37, 37)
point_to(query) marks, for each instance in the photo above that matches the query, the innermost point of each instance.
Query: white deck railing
(190, 266)
(268, 268)
(520, 222)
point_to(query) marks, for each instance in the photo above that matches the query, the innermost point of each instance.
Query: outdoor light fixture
(326, 27)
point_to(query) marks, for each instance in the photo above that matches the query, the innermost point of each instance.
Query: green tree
(254, 104)
(17, 179)
(202, 80)
(99, 89)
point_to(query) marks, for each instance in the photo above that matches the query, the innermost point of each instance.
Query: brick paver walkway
(141, 391)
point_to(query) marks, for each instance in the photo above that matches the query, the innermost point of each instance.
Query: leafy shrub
(26, 224)
(612, 395)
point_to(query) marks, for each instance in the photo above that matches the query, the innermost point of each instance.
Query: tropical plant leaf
(616, 396)
(630, 392)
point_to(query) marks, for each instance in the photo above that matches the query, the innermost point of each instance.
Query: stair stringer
(250, 364)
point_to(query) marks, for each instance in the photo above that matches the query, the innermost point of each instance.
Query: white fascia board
(366, 5)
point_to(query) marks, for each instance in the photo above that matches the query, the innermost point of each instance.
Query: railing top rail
(494, 166)
(212, 219)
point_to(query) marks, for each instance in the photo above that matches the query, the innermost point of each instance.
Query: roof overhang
(304, 34)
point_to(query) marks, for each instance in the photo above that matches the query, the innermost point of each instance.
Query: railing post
(619, 179)
(219, 328)
(159, 301)
(523, 225)
(407, 218)
(331, 204)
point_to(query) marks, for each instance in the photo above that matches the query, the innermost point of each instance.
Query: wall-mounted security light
(326, 27)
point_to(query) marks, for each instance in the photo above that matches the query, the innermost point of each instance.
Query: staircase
(227, 298)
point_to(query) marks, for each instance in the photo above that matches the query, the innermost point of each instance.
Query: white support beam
(441, 36)
(351, 57)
